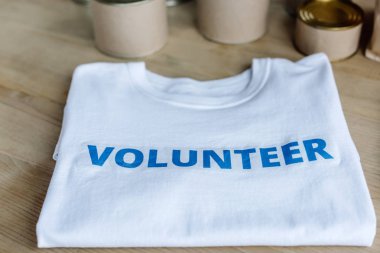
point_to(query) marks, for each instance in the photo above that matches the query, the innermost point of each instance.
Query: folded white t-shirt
(260, 158)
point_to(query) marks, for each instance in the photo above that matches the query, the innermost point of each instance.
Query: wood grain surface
(42, 41)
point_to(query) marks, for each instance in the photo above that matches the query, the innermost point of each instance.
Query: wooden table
(42, 41)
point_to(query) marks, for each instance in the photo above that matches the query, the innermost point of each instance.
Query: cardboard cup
(130, 29)
(231, 21)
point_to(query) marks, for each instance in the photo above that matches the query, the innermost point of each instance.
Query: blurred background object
(175, 2)
(373, 49)
(291, 6)
(129, 28)
(232, 22)
(168, 2)
(83, 2)
(332, 27)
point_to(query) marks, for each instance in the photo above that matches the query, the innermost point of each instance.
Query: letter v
(95, 158)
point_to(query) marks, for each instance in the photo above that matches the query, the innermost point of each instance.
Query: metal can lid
(330, 14)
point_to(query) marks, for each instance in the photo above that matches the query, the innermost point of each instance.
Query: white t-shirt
(260, 158)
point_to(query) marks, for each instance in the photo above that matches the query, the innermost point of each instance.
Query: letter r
(315, 146)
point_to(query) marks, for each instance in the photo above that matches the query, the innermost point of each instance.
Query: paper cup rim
(135, 2)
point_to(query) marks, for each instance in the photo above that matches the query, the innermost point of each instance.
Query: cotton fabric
(260, 158)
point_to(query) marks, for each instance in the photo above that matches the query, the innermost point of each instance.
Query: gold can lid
(330, 14)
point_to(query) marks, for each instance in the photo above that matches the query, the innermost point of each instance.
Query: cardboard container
(332, 27)
(231, 21)
(129, 28)
(373, 50)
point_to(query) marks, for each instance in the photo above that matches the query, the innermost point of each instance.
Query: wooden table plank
(42, 41)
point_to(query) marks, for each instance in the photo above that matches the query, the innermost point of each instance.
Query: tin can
(329, 26)
(129, 28)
